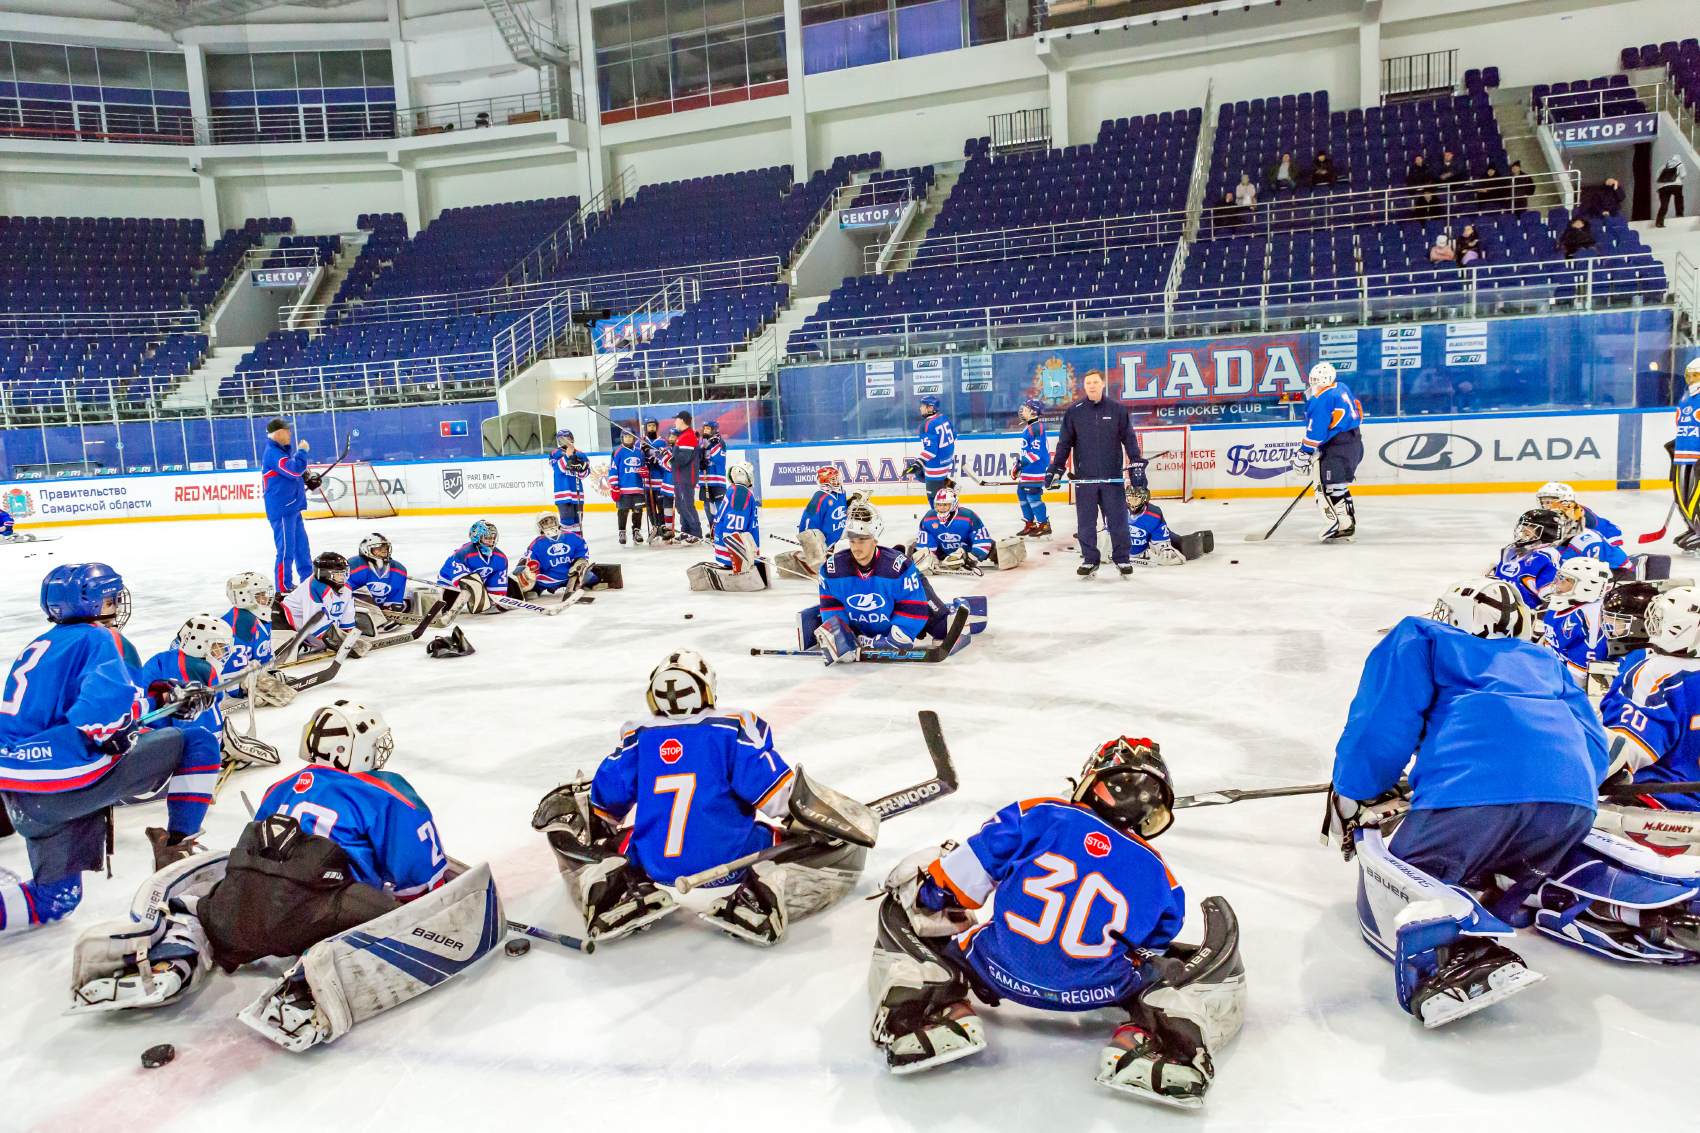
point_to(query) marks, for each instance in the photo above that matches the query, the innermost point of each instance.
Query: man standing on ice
(286, 480)
(1096, 431)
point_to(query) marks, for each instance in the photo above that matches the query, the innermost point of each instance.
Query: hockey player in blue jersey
(1574, 620)
(1148, 532)
(628, 485)
(713, 461)
(557, 559)
(737, 565)
(200, 651)
(6, 524)
(1031, 464)
(938, 448)
(249, 619)
(1509, 756)
(821, 527)
(1685, 458)
(568, 466)
(377, 576)
(1560, 497)
(1530, 561)
(286, 481)
(952, 538)
(478, 558)
(1655, 700)
(872, 597)
(72, 745)
(657, 455)
(689, 790)
(1334, 442)
(1084, 916)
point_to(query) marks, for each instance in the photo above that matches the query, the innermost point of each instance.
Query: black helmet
(331, 568)
(1537, 527)
(1127, 784)
(1624, 613)
(1138, 495)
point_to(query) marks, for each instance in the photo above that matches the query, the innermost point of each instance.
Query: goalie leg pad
(615, 899)
(1196, 545)
(474, 599)
(1010, 552)
(922, 1017)
(977, 608)
(606, 576)
(268, 690)
(385, 962)
(791, 564)
(775, 893)
(1623, 900)
(707, 576)
(158, 954)
(812, 547)
(837, 641)
(807, 622)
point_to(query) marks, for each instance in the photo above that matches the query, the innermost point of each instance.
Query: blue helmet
(483, 532)
(930, 402)
(563, 435)
(1034, 406)
(75, 592)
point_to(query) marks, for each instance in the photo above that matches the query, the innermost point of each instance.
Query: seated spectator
(1450, 169)
(1603, 200)
(1228, 215)
(1425, 202)
(1442, 252)
(1578, 236)
(482, 121)
(1670, 187)
(1495, 192)
(1470, 248)
(1322, 171)
(1283, 174)
(1522, 187)
(1245, 193)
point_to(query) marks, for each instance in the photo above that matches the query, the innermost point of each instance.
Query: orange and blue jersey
(1688, 429)
(375, 816)
(693, 787)
(1331, 412)
(69, 691)
(825, 514)
(280, 472)
(1076, 901)
(1655, 705)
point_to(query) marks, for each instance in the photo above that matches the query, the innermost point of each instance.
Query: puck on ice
(1232, 562)
(688, 617)
(156, 1056)
(518, 946)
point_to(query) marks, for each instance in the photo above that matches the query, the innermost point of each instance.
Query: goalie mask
(829, 479)
(862, 520)
(1138, 495)
(681, 685)
(249, 591)
(347, 736)
(1486, 608)
(376, 546)
(483, 533)
(742, 473)
(1673, 622)
(331, 569)
(945, 503)
(208, 638)
(1581, 580)
(1127, 784)
(549, 525)
(1625, 610)
(1537, 527)
(1691, 374)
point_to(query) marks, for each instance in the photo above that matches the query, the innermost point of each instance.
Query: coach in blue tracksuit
(285, 475)
(1096, 431)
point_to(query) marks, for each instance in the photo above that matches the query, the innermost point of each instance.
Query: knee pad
(103, 951)
(807, 622)
(474, 598)
(818, 880)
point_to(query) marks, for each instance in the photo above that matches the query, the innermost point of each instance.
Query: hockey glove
(836, 641)
(1301, 462)
(1052, 481)
(932, 909)
(956, 560)
(578, 464)
(1136, 474)
(925, 561)
(312, 480)
(188, 700)
(119, 742)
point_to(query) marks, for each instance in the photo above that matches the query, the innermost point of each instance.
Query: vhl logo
(453, 483)
(1430, 452)
(864, 602)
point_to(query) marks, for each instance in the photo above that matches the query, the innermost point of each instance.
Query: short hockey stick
(1631, 790)
(958, 623)
(1655, 536)
(443, 605)
(943, 782)
(786, 653)
(572, 599)
(294, 643)
(573, 942)
(1256, 538)
(1223, 798)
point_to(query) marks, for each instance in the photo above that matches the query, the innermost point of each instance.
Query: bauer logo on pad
(671, 750)
(1098, 845)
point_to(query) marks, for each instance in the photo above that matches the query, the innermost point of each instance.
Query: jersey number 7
(682, 788)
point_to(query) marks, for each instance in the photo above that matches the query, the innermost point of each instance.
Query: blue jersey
(661, 471)
(553, 556)
(569, 486)
(1578, 635)
(253, 641)
(375, 816)
(628, 474)
(1491, 722)
(6, 522)
(1533, 572)
(885, 595)
(938, 447)
(714, 465)
(696, 785)
(1654, 703)
(384, 584)
(737, 513)
(1594, 545)
(71, 675)
(1328, 414)
(1145, 529)
(1073, 896)
(1035, 458)
(1610, 531)
(963, 531)
(1688, 429)
(825, 514)
(490, 565)
(281, 471)
(175, 665)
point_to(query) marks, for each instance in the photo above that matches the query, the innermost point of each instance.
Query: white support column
(409, 196)
(403, 74)
(209, 206)
(596, 165)
(1369, 55)
(195, 62)
(794, 82)
(1056, 71)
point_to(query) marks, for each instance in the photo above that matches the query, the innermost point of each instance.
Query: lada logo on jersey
(1098, 844)
(867, 603)
(671, 750)
(303, 782)
(1430, 452)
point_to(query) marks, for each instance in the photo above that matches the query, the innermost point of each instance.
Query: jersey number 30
(1059, 871)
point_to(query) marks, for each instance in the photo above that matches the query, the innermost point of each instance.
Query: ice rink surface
(1242, 671)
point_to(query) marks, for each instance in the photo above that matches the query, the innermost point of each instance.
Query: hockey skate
(1132, 1064)
(163, 980)
(753, 912)
(617, 900)
(1341, 517)
(1472, 975)
(921, 1039)
(1624, 899)
(165, 851)
(288, 1016)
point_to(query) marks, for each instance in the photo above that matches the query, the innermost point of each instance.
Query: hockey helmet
(564, 438)
(1673, 622)
(330, 568)
(1486, 608)
(375, 546)
(1538, 527)
(347, 736)
(206, 637)
(1553, 492)
(1691, 374)
(627, 437)
(250, 591)
(1138, 495)
(77, 592)
(929, 405)
(1127, 784)
(829, 478)
(1581, 580)
(742, 473)
(482, 532)
(548, 523)
(1322, 375)
(682, 684)
(1625, 610)
(945, 502)
(1032, 409)
(862, 520)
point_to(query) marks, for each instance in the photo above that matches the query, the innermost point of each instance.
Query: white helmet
(1673, 622)
(1485, 607)
(1555, 492)
(684, 683)
(347, 736)
(1322, 376)
(206, 637)
(862, 520)
(1691, 375)
(249, 591)
(742, 472)
(945, 501)
(1588, 578)
(372, 542)
(547, 520)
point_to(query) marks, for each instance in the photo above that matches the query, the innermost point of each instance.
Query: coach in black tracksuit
(1097, 430)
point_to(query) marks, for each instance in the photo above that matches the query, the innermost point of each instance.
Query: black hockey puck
(518, 946)
(1233, 562)
(156, 1056)
(688, 617)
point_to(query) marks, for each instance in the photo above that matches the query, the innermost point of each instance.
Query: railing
(749, 364)
(1020, 130)
(541, 334)
(1522, 288)
(1685, 290)
(1201, 161)
(678, 295)
(1419, 76)
(840, 198)
(97, 324)
(1606, 102)
(287, 125)
(480, 113)
(298, 257)
(543, 261)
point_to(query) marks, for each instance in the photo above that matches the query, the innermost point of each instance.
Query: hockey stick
(329, 672)
(1631, 790)
(170, 709)
(958, 623)
(573, 942)
(1655, 536)
(942, 783)
(294, 643)
(786, 653)
(1256, 538)
(342, 456)
(1223, 798)
(507, 603)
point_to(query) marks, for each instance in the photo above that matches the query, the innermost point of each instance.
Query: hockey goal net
(1166, 449)
(354, 490)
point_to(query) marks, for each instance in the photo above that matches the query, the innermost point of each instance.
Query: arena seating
(388, 237)
(708, 334)
(1657, 54)
(49, 373)
(96, 264)
(891, 186)
(466, 249)
(1583, 99)
(1683, 66)
(328, 247)
(223, 259)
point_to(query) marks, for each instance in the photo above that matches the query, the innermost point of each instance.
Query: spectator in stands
(1522, 187)
(1670, 188)
(1450, 170)
(1442, 252)
(482, 122)
(1322, 171)
(1283, 174)
(1470, 248)
(1245, 193)
(1603, 200)
(1421, 178)
(1578, 236)
(1495, 192)
(1230, 214)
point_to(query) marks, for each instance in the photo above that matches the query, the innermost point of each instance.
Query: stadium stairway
(326, 294)
(770, 347)
(1676, 236)
(1511, 114)
(948, 173)
(198, 389)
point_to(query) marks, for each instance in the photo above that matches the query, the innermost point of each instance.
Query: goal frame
(325, 509)
(1168, 451)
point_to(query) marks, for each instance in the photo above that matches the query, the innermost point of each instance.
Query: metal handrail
(1593, 102)
(834, 201)
(1685, 289)
(97, 324)
(1413, 76)
(538, 335)
(481, 113)
(675, 296)
(1206, 147)
(537, 264)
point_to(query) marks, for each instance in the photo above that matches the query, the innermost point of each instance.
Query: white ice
(1241, 665)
